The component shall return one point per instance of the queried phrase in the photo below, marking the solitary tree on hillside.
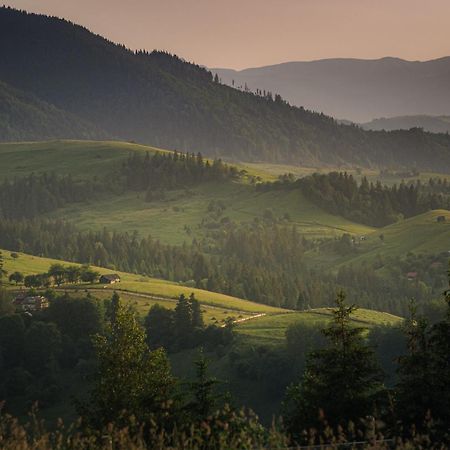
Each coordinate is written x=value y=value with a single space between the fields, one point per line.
x=202 y=389
x=342 y=381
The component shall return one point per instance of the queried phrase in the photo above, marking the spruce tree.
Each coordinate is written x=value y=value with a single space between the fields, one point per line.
x=440 y=371
x=342 y=381
x=196 y=313
x=414 y=393
x=202 y=390
x=183 y=322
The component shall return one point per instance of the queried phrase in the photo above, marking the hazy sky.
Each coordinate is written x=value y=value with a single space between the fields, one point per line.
x=248 y=33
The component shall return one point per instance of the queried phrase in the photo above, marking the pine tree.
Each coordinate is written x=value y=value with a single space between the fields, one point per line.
x=439 y=343
x=342 y=380
x=414 y=397
x=183 y=322
x=196 y=313
x=202 y=389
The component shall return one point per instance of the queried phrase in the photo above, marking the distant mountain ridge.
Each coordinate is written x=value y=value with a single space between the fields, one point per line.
x=434 y=124
x=159 y=99
x=355 y=89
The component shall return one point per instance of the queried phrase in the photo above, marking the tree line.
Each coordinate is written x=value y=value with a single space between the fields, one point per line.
x=172 y=171
x=260 y=261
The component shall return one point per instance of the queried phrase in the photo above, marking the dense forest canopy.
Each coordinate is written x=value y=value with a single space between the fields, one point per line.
x=160 y=99
x=23 y=117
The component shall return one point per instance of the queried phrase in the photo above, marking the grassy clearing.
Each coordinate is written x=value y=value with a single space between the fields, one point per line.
x=272 y=329
x=163 y=220
x=166 y=220
x=80 y=158
x=421 y=234
x=139 y=289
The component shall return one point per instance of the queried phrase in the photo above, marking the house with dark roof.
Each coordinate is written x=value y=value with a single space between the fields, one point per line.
x=110 y=278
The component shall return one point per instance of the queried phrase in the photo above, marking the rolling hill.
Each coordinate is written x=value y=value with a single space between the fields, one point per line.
x=255 y=322
x=165 y=220
x=144 y=292
x=161 y=100
x=24 y=117
x=355 y=89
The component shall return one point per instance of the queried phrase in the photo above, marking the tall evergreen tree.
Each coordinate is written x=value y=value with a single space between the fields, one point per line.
x=183 y=322
x=196 y=312
x=342 y=379
x=414 y=393
x=202 y=390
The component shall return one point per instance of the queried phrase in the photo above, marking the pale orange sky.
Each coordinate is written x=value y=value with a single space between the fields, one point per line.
x=249 y=33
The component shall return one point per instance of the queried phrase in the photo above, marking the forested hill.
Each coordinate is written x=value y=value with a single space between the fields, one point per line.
x=23 y=117
x=161 y=100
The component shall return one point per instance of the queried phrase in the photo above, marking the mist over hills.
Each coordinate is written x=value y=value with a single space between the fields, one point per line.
x=355 y=89
x=159 y=99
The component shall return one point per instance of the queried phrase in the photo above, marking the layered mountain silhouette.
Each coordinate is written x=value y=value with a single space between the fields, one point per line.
x=355 y=89
x=160 y=99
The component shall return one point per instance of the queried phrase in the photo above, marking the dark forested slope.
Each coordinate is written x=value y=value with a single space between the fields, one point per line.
x=23 y=117
x=160 y=99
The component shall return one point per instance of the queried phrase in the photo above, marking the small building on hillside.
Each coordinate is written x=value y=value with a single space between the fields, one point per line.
x=31 y=303
x=441 y=219
x=109 y=279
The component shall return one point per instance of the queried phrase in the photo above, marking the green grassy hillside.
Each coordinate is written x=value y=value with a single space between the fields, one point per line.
x=421 y=234
x=78 y=158
x=256 y=322
x=272 y=329
x=166 y=219
x=144 y=291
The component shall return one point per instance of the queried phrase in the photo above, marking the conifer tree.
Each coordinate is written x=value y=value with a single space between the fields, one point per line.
x=202 y=389
x=196 y=313
x=341 y=380
x=440 y=353
x=414 y=390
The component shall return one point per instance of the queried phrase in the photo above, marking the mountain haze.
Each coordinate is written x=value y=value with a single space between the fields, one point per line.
x=355 y=89
x=434 y=124
x=159 y=99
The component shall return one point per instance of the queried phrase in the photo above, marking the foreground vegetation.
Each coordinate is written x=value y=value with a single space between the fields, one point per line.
x=134 y=401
